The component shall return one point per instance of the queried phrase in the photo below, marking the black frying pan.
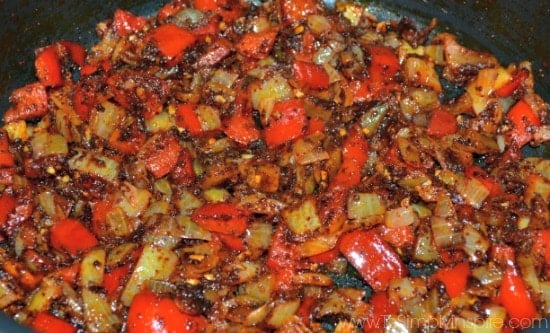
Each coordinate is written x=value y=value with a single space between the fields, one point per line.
x=513 y=30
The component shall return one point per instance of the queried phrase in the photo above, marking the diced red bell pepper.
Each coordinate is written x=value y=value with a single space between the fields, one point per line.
x=160 y=155
x=518 y=77
x=354 y=154
x=515 y=297
x=100 y=210
x=130 y=146
x=455 y=279
x=187 y=118
x=297 y=10
x=522 y=117
x=216 y=52
x=304 y=312
x=382 y=307
x=19 y=272
x=282 y=259
x=223 y=218
x=71 y=236
x=47 y=323
x=288 y=121
x=30 y=102
x=68 y=274
x=374 y=259
x=494 y=187
x=441 y=123
x=76 y=51
x=6 y=157
x=7 y=206
x=382 y=69
x=310 y=75
x=208 y=5
x=171 y=40
x=84 y=98
x=241 y=128
x=209 y=28
x=183 y=173
x=541 y=244
x=125 y=23
x=326 y=257
x=316 y=125
x=112 y=280
x=401 y=236
x=6 y=176
x=169 y=9
x=48 y=66
x=150 y=313
x=232 y=242
x=257 y=45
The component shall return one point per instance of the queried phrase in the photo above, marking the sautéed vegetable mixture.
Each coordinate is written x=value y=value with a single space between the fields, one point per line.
x=227 y=166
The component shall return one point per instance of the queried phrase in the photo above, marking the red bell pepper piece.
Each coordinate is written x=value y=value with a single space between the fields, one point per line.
x=112 y=280
x=150 y=313
x=130 y=146
x=71 y=236
x=232 y=242
x=169 y=9
x=311 y=75
x=223 y=218
x=304 y=312
x=282 y=259
x=172 y=40
x=257 y=45
x=326 y=257
x=374 y=259
x=397 y=236
x=441 y=123
x=518 y=77
x=48 y=66
x=454 y=278
x=354 y=155
x=183 y=173
x=47 y=323
x=208 y=5
x=68 y=274
x=522 y=117
x=297 y=10
x=209 y=28
x=7 y=206
x=30 y=101
x=216 y=52
x=541 y=244
x=100 y=210
x=187 y=118
x=125 y=23
x=382 y=307
x=241 y=128
x=494 y=187
x=76 y=51
x=6 y=157
x=161 y=155
x=515 y=297
x=383 y=68
x=316 y=125
x=288 y=121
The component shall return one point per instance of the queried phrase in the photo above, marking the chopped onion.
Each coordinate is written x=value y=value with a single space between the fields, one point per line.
x=303 y=219
x=399 y=217
x=472 y=190
x=92 y=268
x=154 y=263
